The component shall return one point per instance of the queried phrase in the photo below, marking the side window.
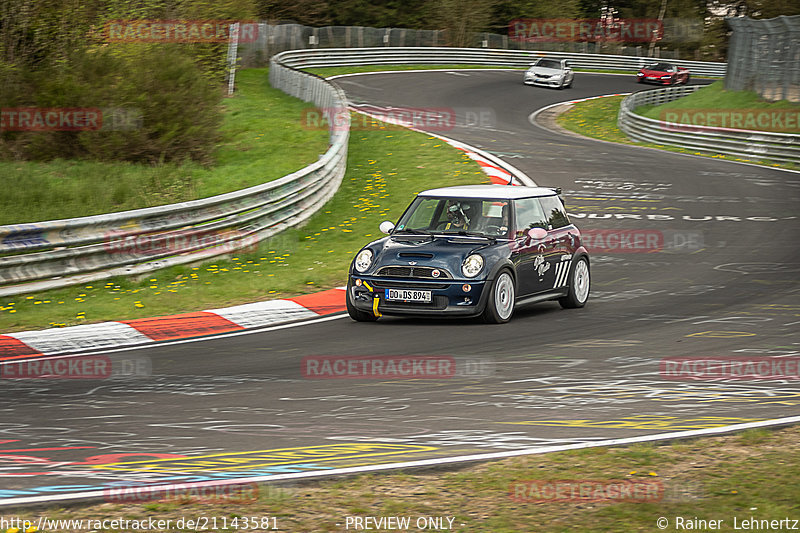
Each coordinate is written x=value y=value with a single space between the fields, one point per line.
x=528 y=214
x=554 y=211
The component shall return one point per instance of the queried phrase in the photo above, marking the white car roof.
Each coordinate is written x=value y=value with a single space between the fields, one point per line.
x=505 y=192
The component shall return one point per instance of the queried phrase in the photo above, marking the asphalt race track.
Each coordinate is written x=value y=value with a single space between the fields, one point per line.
x=723 y=282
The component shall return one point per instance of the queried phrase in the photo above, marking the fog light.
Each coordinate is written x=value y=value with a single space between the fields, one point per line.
x=466 y=288
x=358 y=283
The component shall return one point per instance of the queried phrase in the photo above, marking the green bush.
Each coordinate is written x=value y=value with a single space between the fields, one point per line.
x=176 y=109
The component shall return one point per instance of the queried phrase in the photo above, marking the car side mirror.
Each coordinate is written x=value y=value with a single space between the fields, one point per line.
x=537 y=234
x=386 y=227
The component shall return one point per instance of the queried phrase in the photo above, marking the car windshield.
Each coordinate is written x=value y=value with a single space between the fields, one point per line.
x=548 y=63
x=461 y=216
x=662 y=67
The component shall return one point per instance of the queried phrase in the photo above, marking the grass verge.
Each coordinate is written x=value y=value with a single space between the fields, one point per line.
x=259 y=122
x=386 y=166
x=598 y=119
x=752 y=475
x=715 y=98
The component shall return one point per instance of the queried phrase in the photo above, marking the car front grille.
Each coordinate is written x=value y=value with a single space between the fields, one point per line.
x=413 y=272
x=392 y=284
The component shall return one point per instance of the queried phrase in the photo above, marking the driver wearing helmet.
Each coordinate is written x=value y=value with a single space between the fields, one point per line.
x=456 y=216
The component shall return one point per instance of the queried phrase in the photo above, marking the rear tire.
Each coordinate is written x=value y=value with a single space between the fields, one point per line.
x=356 y=314
x=579 y=286
x=500 y=305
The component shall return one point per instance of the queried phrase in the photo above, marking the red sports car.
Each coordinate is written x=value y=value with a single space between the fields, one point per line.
x=663 y=74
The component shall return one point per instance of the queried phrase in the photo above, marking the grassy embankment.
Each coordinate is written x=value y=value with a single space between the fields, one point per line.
x=259 y=122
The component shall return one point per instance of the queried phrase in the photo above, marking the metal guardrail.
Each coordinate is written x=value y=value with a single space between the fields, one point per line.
x=339 y=57
x=784 y=147
x=58 y=253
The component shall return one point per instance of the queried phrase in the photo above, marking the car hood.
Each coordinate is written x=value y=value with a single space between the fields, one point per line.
x=545 y=71
x=648 y=72
x=447 y=253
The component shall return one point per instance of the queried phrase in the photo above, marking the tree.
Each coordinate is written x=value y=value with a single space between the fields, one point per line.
x=461 y=19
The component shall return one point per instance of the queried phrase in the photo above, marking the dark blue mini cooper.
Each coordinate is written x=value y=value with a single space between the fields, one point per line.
x=472 y=250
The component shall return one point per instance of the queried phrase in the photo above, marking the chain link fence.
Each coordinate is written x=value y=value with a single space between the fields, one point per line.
x=764 y=56
x=274 y=39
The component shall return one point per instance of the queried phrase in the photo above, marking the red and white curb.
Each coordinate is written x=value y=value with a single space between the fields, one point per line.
x=491 y=167
x=140 y=331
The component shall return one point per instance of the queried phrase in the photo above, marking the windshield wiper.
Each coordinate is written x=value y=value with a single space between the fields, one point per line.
x=466 y=233
x=412 y=231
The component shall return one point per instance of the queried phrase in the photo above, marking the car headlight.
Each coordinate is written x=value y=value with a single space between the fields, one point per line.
x=363 y=260
x=472 y=265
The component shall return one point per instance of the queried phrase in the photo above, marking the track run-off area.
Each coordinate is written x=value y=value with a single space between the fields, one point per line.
x=722 y=283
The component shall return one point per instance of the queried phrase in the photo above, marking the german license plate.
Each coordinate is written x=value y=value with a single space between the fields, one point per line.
x=408 y=295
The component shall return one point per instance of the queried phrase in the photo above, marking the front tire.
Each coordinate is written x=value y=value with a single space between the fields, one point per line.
x=357 y=315
x=500 y=305
x=579 y=286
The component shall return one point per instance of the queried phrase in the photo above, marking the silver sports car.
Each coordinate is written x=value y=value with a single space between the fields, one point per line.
x=550 y=72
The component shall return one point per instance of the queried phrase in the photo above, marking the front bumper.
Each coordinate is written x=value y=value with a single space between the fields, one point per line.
x=448 y=296
x=543 y=82
x=657 y=81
